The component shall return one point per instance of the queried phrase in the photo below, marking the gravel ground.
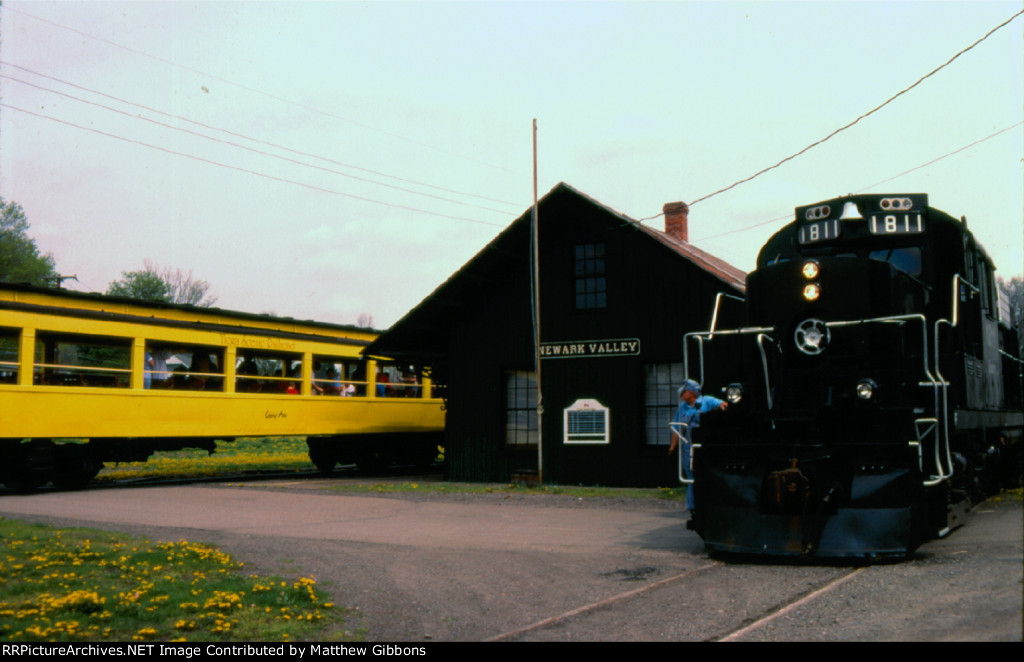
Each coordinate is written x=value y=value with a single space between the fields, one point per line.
x=541 y=567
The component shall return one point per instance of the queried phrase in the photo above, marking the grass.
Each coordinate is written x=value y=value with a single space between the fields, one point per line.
x=84 y=585
x=264 y=454
x=250 y=455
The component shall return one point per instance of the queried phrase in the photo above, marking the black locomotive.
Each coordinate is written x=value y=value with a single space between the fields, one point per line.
x=874 y=386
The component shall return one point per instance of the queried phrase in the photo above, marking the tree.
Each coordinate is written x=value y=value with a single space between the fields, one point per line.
x=1014 y=290
x=20 y=259
x=168 y=286
x=141 y=285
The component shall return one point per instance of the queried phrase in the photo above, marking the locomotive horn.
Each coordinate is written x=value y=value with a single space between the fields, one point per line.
x=851 y=213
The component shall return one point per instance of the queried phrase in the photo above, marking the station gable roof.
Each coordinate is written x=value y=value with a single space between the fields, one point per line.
x=422 y=333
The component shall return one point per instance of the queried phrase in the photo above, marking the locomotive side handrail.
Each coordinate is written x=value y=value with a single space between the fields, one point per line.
x=718 y=303
x=943 y=383
x=764 y=365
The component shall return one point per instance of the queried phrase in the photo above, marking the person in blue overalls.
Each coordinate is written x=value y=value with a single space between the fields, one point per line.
x=691 y=405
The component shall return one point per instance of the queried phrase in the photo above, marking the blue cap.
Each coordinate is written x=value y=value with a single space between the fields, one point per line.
x=689 y=385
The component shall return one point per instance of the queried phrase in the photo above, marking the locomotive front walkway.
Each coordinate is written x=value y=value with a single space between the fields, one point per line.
x=553 y=568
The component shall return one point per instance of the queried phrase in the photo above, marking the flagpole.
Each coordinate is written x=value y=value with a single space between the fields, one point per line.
x=535 y=278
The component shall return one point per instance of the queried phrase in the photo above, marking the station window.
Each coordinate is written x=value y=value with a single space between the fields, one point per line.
x=184 y=367
x=8 y=356
x=80 y=360
x=591 y=285
x=520 y=408
x=661 y=383
x=262 y=371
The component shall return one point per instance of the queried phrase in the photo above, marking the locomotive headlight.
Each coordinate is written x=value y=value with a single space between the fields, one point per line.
x=811 y=269
x=812 y=291
x=733 y=394
x=866 y=389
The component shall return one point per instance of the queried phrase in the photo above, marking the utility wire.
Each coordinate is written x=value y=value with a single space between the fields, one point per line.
x=250 y=172
x=262 y=93
x=245 y=137
x=867 y=188
x=249 y=149
x=847 y=126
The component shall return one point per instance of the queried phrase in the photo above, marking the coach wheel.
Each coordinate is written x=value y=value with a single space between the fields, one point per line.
x=20 y=477
x=322 y=457
x=75 y=475
x=425 y=457
x=72 y=467
x=372 y=460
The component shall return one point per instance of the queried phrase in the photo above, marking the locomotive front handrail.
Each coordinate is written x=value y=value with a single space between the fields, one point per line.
x=675 y=427
x=701 y=336
x=938 y=385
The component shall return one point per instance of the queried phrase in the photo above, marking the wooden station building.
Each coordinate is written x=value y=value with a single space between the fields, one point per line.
x=616 y=298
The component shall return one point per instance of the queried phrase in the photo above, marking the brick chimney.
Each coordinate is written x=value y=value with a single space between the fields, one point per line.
x=676 y=218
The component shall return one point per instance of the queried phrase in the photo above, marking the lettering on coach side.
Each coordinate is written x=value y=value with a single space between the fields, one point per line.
x=590 y=348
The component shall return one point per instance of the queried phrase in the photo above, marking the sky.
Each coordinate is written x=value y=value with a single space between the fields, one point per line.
x=323 y=160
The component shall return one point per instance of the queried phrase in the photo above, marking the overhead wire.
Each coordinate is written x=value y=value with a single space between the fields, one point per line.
x=871 y=186
x=246 y=137
x=225 y=142
x=263 y=93
x=850 y=124
x=248 y=171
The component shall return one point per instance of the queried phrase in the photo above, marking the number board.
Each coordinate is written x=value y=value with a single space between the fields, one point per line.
x=908 y=223
x=819 y=231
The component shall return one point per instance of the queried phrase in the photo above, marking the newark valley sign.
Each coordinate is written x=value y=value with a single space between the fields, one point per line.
x=578 y=349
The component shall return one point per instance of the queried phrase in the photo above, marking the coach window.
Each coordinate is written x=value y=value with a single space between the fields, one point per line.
x=333 y=375
x=396 y=381
x=8 y=356
x=79 y=360
x=261 y=371
x=184 y=367
x=661 y=383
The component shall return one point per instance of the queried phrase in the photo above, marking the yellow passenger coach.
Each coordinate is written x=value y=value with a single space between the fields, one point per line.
x=87 y=379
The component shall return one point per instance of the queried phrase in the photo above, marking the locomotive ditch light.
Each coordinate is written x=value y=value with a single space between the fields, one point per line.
x=733 y=394
x=812 y=291
x=811 y=269
x=866 y=389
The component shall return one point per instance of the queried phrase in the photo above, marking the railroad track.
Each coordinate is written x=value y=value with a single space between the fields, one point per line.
x=678 y=582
